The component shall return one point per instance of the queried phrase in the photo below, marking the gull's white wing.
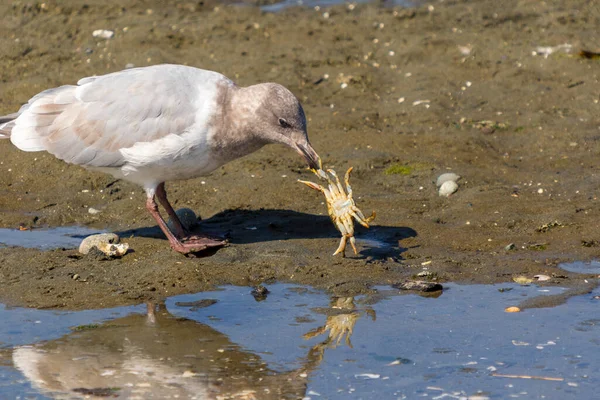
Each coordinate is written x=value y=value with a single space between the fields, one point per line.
x=89 y=124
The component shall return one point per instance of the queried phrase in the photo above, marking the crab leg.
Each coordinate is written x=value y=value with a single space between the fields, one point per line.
x=313 y=186
x=359 y=217
x=349 y=228
x=337 y=182
x=347 y=182
x=353 y=244
x=342 y=246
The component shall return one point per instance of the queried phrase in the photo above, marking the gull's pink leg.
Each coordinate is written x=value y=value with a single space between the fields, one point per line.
x=161 y=195
x=191 y=246
x=182 y=234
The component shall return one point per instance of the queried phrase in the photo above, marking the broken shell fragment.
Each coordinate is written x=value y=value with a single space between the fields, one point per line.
x=114 y=250
x=107 y=243
x=103 y=34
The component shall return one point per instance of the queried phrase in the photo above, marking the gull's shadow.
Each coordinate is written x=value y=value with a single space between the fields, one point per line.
x=265 y=225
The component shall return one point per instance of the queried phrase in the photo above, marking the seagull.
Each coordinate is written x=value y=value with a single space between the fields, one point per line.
x=160 y=123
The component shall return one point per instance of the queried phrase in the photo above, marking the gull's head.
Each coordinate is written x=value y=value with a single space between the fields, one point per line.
x=280 y=119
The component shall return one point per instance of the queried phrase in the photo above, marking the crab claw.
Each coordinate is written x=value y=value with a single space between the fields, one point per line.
x=372 y=217
x=320 y=173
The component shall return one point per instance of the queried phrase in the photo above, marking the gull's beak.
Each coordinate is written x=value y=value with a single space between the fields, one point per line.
x=311 y=156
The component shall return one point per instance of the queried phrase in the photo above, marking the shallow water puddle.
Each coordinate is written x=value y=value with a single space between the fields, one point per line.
x=581 y=267
x=46 y=238
x=299 y=343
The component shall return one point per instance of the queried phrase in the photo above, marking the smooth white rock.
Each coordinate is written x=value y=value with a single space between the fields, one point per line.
x=448 y=176
x=448 y=188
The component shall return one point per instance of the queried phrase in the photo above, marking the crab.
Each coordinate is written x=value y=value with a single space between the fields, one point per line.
x=340 y=206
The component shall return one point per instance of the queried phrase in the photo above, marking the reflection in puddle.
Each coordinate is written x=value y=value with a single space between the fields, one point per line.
x=592 y=267
x=157 y=356
x=298 y=343
x=45 y=238
x=282 y=5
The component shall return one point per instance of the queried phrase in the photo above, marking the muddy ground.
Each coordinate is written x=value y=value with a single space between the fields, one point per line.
x=530 y=174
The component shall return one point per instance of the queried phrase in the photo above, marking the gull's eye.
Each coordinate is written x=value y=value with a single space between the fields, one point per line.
x=284 y=124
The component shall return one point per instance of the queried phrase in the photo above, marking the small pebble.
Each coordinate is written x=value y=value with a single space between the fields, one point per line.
x=512 y=309
x=448 y=188
x=419 y=286
x=187 y=217
x=260 y=293
x=449 y=176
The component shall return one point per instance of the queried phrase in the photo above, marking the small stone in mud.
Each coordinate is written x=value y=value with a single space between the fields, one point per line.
x=448 y=188
x=95 y=254
x=260 y=293
x=188 y=219
x=419 y=286
x=196 y=305
x=447 y=177
x=98 y=392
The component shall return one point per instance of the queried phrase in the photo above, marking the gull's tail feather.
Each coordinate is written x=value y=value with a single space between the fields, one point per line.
x=6 y=125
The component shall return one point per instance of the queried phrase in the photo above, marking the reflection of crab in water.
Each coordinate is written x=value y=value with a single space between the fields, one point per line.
x=342 y=316
x=341 y=206
x=339 y=326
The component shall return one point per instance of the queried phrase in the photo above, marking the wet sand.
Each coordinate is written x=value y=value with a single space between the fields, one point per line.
x=426 y=91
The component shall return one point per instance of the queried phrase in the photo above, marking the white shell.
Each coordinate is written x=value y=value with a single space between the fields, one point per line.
x=449 y=176
x=448 y=188
x=103 y=34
